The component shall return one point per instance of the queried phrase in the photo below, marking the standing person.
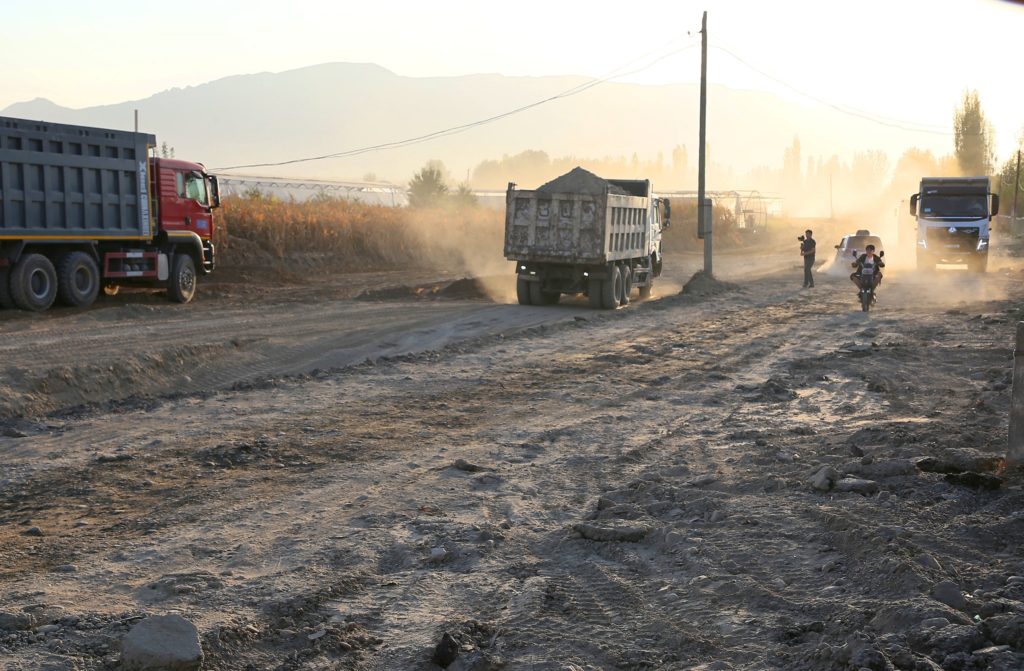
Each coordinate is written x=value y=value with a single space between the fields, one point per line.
x=807 y=245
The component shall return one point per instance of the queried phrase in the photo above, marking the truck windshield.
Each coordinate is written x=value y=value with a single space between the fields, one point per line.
x=195 y=188
x=971 y=206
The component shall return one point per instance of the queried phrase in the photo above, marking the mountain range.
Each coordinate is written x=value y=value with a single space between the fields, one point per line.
x=335 y=107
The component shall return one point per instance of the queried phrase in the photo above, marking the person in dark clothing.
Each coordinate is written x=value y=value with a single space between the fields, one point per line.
x=867 y=265
x=807 y=245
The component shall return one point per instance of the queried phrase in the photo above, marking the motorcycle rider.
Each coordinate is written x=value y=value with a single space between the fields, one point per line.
x=868 y=265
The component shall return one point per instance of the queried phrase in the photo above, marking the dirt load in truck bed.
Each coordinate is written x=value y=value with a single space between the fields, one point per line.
x=582 y=181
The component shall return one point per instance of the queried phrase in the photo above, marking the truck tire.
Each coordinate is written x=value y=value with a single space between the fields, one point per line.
x=6 y=301
x=627 y=284
x=978 y=265
x=540 y=297
x=925 y=263
x=611 y=288
x=78 y=280
x=34 y=283
x=645 y=292
x=181 y=286
x=523 y=291
x=594 y=290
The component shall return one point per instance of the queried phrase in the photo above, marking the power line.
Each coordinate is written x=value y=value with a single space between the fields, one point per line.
x=875 y=118
x=614 y=74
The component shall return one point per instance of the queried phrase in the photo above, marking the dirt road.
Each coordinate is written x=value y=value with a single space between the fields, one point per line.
x=721 y=481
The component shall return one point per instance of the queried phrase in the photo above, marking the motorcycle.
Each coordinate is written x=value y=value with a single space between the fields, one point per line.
x=866 y=292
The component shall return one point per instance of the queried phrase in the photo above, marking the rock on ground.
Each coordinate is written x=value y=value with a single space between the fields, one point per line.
x=164 y=642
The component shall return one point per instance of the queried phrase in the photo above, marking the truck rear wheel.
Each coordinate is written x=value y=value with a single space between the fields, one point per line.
x=181 y=286
x=523 y=290
x=6 y=301
x=34 y=283
x=627 y=284
x=540 y=297
x=78 y=279
x=611 y=288
x=594 y=291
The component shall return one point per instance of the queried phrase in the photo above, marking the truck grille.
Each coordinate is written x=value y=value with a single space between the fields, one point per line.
x=958 y=239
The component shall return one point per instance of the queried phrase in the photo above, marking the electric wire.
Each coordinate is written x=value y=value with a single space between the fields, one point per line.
x=851 y=111
x=580 y=88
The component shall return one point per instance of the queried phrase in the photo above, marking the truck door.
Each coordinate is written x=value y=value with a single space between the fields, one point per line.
x=197 y=204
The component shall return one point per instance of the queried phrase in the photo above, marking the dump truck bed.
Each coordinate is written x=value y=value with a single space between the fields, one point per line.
x=59 y=181
x=574 y=228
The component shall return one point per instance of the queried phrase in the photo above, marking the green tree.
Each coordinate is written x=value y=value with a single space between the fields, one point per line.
x=1009 y=181
x=464 y=196
x=427 y=187
x=973 y=137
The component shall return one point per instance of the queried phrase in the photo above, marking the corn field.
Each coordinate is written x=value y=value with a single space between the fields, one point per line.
x=343 y=235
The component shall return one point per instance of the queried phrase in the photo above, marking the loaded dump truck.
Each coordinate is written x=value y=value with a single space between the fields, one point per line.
x=581 y=234
x=953 y=216
x=84 y=209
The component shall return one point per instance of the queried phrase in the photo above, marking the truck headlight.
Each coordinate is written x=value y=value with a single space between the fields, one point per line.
x=923 y=244
x=982 y=244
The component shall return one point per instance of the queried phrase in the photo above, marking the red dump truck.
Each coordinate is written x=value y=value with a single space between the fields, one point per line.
x=87 y=209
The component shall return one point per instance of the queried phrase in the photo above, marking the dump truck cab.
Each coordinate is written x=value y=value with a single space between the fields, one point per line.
x=953 y=221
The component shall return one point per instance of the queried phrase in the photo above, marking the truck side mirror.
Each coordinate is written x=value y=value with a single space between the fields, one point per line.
x=913 y=204
x=668 y=214
x=995 y=205
x=214 y=191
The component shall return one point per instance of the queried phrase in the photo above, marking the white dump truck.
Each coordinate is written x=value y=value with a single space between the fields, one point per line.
x=581 y=234
x=953 y=215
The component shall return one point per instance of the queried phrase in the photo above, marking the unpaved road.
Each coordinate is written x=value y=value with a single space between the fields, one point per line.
x=554 y=488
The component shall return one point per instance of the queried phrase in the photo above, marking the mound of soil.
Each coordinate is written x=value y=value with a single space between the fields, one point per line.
x=579 y=180
x=705 y=285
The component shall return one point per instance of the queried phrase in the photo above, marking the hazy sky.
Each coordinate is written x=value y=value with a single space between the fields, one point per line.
x=904 y=61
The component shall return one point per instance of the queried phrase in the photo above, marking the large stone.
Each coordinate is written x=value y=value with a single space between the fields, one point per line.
x=857 y=486
x=164 y=642
x=823 y=478
x=15 y=621
x=949 y=593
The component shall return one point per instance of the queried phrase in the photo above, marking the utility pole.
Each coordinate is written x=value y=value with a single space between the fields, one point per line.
x=1016 y=188
x=702 y=223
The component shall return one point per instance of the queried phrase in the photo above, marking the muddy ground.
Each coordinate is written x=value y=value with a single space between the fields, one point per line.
x=335 y=475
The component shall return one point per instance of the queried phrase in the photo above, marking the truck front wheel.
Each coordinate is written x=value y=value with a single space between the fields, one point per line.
x=978 y=265
x=181 y=286
x=78 y=279
x=34 y=283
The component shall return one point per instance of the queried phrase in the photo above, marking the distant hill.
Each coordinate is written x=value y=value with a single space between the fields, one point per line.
x=323 y=109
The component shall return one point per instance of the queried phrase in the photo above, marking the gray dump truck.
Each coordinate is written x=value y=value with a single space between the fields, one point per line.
x=953 y=215
x=581 y=234
x=87 y=209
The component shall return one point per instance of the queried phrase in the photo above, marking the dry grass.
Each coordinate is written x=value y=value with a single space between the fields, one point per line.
x=343 y=235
